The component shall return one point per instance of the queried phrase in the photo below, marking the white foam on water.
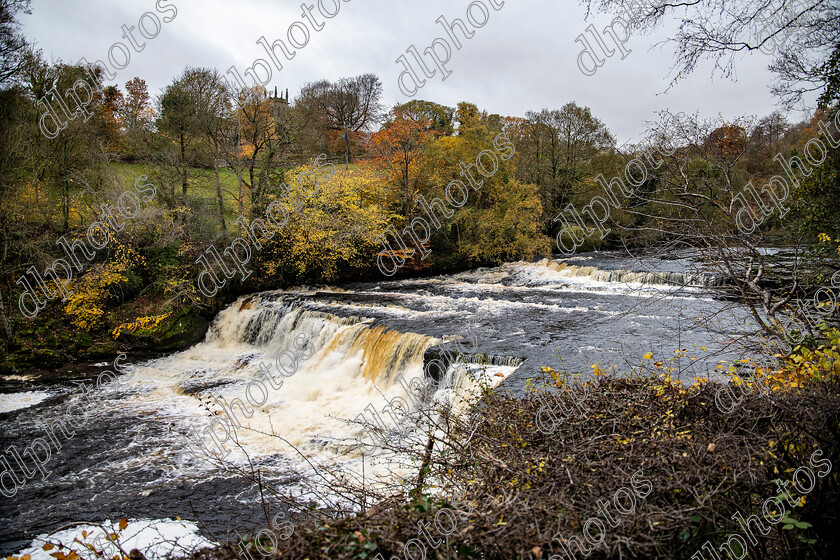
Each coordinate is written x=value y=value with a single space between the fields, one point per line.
x=157 y=539
x=547 y=272
x=353 y=364
x=18 y=401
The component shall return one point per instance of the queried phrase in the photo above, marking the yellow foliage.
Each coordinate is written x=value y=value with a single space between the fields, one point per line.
x=337 y=225
x=141 y=323
x=85 y=306
x=804 y=366
x=506 y=228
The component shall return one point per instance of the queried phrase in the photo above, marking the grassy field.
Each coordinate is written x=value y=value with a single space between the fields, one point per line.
x=202 y=184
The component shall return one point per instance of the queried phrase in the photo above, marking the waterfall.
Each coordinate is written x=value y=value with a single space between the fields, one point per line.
x=625 y=276
x=270 y=366
x=270 y=325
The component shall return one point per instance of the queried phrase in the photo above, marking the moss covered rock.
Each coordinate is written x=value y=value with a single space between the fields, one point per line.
x=181 y=330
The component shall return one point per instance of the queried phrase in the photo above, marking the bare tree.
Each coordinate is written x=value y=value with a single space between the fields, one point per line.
x=12 y=43
x=265 y=129
x=697 y=198
x=349 y=105
x=801 y=34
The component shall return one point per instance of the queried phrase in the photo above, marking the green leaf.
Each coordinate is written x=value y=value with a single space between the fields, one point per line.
x=787 y=527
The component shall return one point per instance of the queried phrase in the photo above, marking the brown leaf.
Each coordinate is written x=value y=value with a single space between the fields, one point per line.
x=48 y=546
x=123 y=524
x=537 y=551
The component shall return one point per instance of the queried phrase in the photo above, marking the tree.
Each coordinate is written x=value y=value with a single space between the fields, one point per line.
x=138 y=117
x=15 y=119
x=472 y=123
x=557 y=148
x=801 y=34
x=814 y=200
x=770 y=131
x=63 y=162
x=507 y=229
x=699 y=199
x=178 y=121
x=829 y=72
x=331 y=231
x=398 y=147
x=214 y=119
x=437 y=117
x=114 y=106
x=349 y=105
x=12 y=43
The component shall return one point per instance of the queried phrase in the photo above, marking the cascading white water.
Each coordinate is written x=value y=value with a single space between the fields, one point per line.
x=595 y=274
x=336 y=369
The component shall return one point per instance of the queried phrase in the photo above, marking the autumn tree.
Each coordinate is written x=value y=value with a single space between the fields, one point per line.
x=498 y=221
x=727 y=142
x=331 y=234
x=398 y=148
x=556 y=150
x=434 y=116
x=138 y=117
x=471 y=122
x=112 y=114
x=348 y=106
x=265 y=132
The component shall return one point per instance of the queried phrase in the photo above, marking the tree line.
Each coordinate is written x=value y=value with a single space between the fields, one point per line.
x=220 y=155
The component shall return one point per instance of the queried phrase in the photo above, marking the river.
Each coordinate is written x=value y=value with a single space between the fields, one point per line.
x=129 y=456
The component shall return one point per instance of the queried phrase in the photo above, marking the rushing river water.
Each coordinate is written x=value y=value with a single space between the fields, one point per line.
x=131 y=454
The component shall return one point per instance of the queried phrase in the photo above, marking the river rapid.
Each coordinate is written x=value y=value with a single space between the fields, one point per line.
x=136 y=451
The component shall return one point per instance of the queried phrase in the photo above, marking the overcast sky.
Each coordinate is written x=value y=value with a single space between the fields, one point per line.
x=523 y=58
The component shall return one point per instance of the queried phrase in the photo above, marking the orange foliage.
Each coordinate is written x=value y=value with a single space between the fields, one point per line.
x=398 y=150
